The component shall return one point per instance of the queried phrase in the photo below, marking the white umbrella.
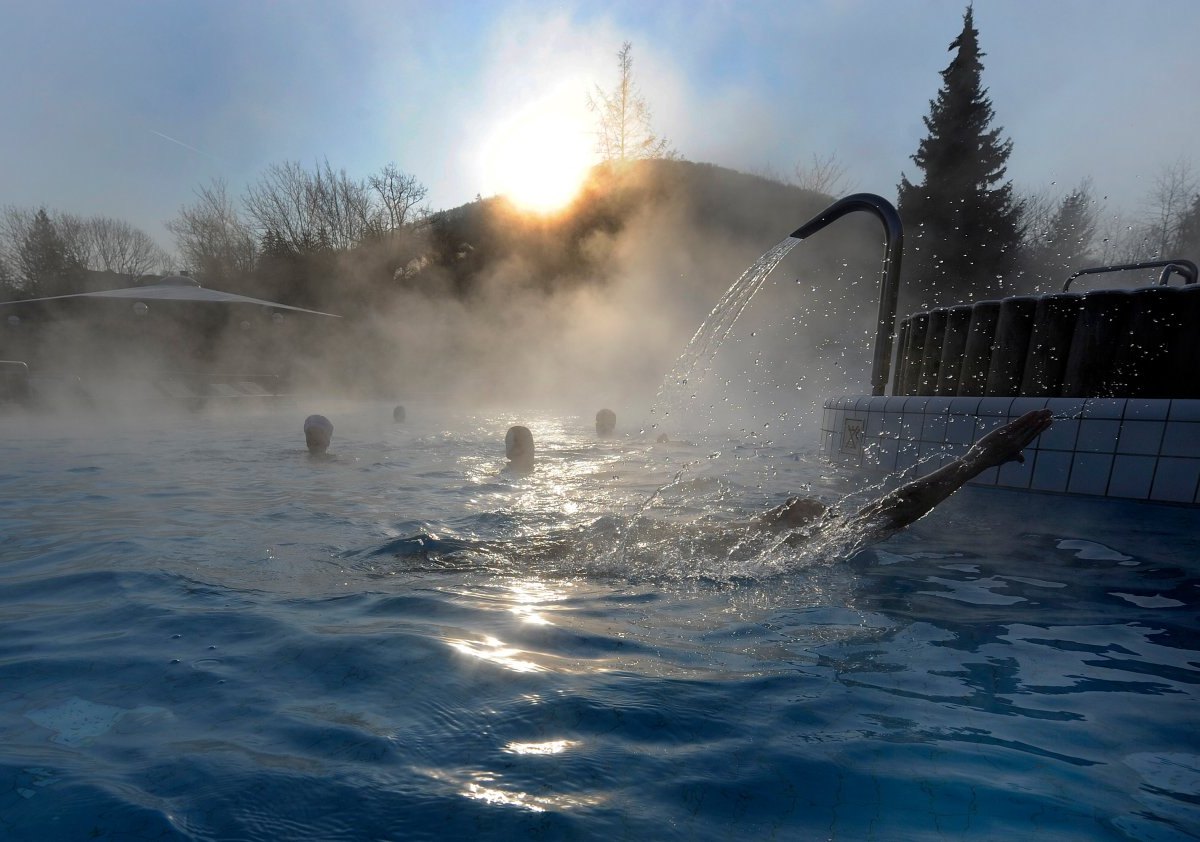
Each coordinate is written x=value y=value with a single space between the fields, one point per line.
x=176 y=288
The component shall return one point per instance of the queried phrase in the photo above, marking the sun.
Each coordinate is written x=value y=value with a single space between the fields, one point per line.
x=539 y=158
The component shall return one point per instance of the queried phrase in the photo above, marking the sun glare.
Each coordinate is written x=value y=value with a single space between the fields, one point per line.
x=539 y=158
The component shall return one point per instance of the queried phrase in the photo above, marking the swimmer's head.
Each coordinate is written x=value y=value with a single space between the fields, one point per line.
x=318 y=431
x=398 y=414
x=606 y=422
x=795 y=513
x=801 y=511
x=518 y=447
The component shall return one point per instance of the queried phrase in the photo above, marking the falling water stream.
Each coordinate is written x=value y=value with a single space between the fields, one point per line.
x=681 y=381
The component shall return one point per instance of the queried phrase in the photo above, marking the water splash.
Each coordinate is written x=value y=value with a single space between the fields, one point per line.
x=627 y=529
x=707 y=340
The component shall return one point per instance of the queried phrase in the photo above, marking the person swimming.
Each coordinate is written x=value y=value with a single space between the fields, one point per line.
x=606 y=423
x=318 y=432
x=801 y=521
x=907 y=504
x=518 y=447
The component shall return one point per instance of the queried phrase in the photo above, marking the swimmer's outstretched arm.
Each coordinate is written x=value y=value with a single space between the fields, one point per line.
x=914 y=500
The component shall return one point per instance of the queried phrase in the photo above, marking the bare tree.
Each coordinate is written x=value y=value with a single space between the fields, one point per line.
x=73 y=230
x=281 y=202
x=1038 y=208
x=623 y=131
x=342 y=206
x=312 y=210
x=122 y=248
x=1167 y=204
x=824 y=175
x=398 y=195
x=8 y=282
x=212 y=238
x=14 y=225
x=1121 y=241
x=1162 y=229
x=110 y=245
x=1188 y=244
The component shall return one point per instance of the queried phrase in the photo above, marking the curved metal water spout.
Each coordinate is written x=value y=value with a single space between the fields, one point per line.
x=889 y=285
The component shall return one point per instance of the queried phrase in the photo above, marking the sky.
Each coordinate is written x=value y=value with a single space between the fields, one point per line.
x=125 y=108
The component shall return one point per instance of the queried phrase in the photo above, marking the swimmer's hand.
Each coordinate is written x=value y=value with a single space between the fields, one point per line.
x=1004 y=444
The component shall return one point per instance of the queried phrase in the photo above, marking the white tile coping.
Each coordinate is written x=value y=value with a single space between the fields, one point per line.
x=1138 y=449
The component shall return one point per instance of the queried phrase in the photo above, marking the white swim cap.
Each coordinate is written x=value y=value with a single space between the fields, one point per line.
x=518 y=442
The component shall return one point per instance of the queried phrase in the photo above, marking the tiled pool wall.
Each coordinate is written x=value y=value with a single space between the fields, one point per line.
x=1112 y=447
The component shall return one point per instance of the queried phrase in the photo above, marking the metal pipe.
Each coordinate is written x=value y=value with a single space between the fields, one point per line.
x=889 y=286
x=1174 y=268
x=1186 y=268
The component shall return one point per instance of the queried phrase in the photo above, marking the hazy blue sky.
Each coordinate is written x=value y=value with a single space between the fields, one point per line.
x=122 y=108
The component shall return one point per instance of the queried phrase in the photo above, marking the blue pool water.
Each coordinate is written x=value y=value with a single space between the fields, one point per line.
x=206 y=635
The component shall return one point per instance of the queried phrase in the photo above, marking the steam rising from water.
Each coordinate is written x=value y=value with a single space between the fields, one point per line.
x=523 y=344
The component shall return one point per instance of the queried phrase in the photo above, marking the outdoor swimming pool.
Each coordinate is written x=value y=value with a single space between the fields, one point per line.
x=207 y=635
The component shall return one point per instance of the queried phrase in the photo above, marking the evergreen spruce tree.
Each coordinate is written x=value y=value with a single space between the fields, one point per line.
x=962 y=222
x=1064 y=246
x=44 y=260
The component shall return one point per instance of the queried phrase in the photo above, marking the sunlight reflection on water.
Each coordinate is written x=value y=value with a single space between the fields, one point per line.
x=405 y=641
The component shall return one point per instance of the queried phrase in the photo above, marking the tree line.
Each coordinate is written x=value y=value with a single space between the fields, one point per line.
x=44 y=254
x=311 y=236
x=315 y=236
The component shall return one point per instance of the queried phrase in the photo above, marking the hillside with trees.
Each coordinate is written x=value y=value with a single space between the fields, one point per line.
x=648 y=233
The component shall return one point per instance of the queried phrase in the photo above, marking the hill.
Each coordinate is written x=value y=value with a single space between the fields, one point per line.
x=601 y=298
x=678 y=198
